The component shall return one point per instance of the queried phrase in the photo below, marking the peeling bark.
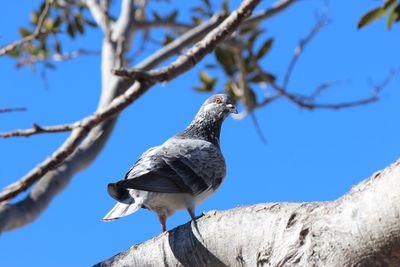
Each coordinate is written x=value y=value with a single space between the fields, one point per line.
x=362 y=228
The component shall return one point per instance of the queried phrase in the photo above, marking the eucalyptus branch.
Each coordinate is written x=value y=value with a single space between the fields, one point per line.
x=36 y=34
x=98 y=14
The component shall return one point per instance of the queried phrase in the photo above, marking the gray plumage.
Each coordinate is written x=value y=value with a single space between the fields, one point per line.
x=180 y=173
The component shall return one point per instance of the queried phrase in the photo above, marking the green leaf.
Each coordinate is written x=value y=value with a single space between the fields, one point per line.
x=210 y=66
x=199 y=10
x=57 y=47
x=168 y=39
x=208 y=83
x=264 y=77
x=225 y=6
x=156 y=16
x=207 y=3
x=34 y=17
x=247 y=29
x=49 y=24
x=24 y=32
x=370 y=16
x=394 y=16
x=265 y=48
x=388 y=4
x=225 y=57
x=90 y=23
x=253 y=37
x=50 y=65
x=14 y=53
x=196 y=20
x=228 y=88
x=57 y=22
x=79 y=23
x=71 y=31
x=172 y=16
x=204 y=77
x=251 y=99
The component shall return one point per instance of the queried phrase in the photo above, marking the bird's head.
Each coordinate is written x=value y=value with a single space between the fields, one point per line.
x=207 y=122
x=218 y=106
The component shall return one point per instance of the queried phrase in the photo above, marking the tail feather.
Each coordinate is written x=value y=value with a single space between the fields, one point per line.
x=121 y=210
x=117 y=192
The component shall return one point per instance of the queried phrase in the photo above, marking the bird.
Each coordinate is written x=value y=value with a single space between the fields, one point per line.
x=180 y=173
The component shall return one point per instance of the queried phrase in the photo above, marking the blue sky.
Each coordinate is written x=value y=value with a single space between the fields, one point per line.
x=310 y=156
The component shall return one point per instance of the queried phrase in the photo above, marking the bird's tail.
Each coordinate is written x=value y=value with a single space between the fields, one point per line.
x=122 y=209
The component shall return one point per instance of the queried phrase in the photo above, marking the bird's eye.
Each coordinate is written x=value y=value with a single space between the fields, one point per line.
x=218 y=100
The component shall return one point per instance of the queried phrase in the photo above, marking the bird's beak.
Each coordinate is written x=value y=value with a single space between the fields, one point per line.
x=232 y=108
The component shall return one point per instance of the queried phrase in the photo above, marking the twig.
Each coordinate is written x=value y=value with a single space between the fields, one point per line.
x=37 y=129
x=308 y=103
x=258 y=128
x=300 y=48
x=323 y=87
x=181 y=65
x=178 y=26
x=5 y=110
x=38 y=31
x=278 y=7
x=57 y=57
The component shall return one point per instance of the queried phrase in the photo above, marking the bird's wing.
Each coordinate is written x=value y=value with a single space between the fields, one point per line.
x=178 y=166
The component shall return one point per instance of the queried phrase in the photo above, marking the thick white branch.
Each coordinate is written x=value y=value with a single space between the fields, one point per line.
x=97 y=13
x=360 y=229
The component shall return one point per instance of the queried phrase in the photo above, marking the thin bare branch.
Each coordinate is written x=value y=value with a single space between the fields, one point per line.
x=178 y=26
x=190 y=37
x=37 y=129
x=308 y=102
x=300 y=48
x=56 y=57
x=181 y=65
x=323 y=87
x=5 y=110
x=258 y=128
x=37 y=33
x=278 y=7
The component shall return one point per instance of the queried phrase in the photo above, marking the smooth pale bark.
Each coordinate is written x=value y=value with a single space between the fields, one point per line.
x=362 y=228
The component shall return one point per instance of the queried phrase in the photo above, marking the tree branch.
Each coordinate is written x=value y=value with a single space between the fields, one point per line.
x=300 y=48
x=362 y=228
x=56 y=57
x=97 y=14
x=181 y=65
x=122 y=27
x=278 y=7
x=38 y=31
x=5 y=110
x=198 y=51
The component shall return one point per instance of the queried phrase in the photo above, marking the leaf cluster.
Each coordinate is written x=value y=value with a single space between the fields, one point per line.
x=390 y=9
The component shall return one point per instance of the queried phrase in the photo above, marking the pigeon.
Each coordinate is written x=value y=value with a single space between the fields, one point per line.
x=180 y=173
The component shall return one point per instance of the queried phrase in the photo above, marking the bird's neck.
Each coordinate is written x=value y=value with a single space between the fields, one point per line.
x=205 y=128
